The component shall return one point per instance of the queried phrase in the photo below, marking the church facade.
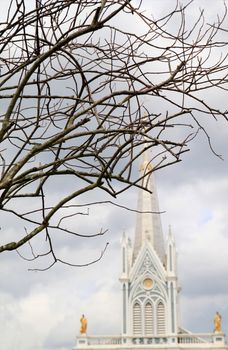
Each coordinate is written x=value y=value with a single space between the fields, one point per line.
x=150 y=290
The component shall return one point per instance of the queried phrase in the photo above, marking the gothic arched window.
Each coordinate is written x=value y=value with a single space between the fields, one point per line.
x=161 y=328
x=137 y=319
x=149 y=319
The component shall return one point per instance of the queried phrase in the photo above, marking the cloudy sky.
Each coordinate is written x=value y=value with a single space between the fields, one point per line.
x=41 y=310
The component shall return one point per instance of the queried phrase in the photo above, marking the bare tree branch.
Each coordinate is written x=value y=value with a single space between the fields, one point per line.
x=83 y=96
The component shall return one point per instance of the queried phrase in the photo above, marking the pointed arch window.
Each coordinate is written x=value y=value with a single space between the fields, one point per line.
x=149 y=319
x=137 y=319
x=161 y=328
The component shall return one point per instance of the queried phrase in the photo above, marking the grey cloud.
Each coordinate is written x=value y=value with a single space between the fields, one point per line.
x=185 y=190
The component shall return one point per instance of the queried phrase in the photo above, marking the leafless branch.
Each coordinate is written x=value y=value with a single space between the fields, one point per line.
x=83 y=96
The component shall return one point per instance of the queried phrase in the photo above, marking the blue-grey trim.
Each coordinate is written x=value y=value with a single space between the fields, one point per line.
x=170 y=258
x=172 y=308
x=124 y=310
x=124 y=262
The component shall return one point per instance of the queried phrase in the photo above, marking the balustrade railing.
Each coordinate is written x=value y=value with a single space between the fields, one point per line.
x=183 y=338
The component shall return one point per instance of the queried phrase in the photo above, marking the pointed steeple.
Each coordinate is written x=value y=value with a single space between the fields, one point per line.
x=148 y=224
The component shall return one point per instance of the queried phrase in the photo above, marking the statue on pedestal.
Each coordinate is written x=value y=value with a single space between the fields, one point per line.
x=83 y=321
x=217 y=323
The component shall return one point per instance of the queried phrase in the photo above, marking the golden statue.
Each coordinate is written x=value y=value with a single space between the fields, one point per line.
x=217 y=322
x=83 y=321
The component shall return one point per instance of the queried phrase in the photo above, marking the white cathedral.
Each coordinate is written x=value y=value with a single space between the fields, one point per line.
x=150 y=289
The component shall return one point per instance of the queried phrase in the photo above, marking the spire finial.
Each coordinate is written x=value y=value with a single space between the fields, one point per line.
x=146 y=164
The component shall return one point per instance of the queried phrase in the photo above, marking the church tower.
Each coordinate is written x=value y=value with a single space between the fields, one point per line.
x=149 y=276
x=150 y=288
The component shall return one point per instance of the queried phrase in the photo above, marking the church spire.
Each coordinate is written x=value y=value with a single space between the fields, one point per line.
x=148 y=224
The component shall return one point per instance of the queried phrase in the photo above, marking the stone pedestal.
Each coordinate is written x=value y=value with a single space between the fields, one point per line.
x=219 y=338
x=81 y=341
